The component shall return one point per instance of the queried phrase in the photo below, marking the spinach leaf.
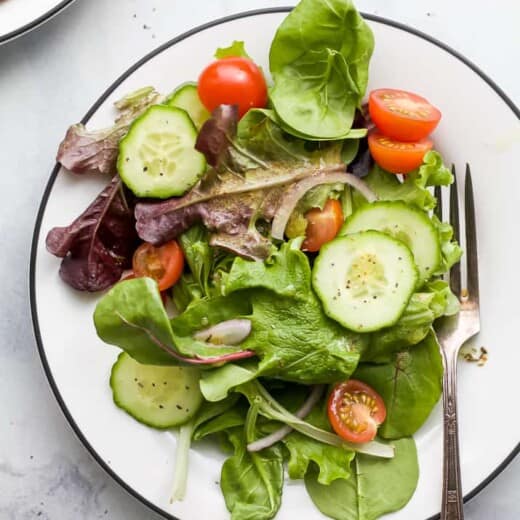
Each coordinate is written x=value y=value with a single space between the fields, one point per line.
x=376 y=486
x=300 y=143
x=410 y=386
x=433 y=301
x=132 y=316
x=260 y=131
x=319 y=62
x=227 y=420
x=209 y=411
x=349 y=150
x=215 y=384
x=252 y=482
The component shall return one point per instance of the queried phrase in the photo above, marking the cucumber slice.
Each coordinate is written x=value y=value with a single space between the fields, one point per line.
x=157 y=157
x=187 y=97
x=157 y=396
x=409 y=225
x=364 y=280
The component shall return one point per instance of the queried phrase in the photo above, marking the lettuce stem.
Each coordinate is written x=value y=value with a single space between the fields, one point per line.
x=180 y=475
x=271 y=409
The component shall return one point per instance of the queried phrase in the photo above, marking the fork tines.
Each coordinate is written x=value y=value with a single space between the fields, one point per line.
x=471 y=239
x=472 y=290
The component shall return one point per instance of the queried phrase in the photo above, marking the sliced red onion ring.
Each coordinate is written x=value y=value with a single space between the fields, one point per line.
x=279 y=434
x=296 y=191
x=231 y=332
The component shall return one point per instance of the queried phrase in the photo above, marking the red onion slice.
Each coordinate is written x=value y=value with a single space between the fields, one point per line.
x=296 y=191
x=279 y=434
x=231 y=332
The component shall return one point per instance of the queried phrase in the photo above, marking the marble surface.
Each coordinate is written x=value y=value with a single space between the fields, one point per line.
x=48 y=79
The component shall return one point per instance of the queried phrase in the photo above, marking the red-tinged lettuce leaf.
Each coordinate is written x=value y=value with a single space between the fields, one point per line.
x=84 y=151
x=217 y=133
x=229 y=205
x=98 y=245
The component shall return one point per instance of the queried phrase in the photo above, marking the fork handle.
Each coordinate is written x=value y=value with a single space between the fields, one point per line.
x=451 y=489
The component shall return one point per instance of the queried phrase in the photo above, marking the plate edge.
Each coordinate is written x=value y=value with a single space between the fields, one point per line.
x=41 y=210
x=34 y=24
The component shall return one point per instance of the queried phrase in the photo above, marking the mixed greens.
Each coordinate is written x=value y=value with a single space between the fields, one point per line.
x=284 y=285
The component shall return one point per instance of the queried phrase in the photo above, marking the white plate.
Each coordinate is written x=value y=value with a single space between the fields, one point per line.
x=480 y=126
x=18 y=17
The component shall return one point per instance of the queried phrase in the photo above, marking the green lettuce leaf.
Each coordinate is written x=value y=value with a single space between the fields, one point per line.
x=198 y=255
x=236 y=49
x=316 y=197
x=415 y=190
x=329 y=463
x=185 y=291
x=332 y=462
x=410 y=386
x=375 y=488
x=451 y=251
x=293 y=337
x=433 y=301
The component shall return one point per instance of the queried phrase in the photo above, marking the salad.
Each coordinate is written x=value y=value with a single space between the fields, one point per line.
x=272 y=266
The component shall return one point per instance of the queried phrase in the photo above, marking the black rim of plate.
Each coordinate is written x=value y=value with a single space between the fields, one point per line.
x=56 y=169
x=4 y=38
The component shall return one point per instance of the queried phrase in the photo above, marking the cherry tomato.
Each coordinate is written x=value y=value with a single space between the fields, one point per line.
x=322 y=225
x=232 y=81
x=355 y=411
x=402 y=115
x=397 y=156
x=164 y=264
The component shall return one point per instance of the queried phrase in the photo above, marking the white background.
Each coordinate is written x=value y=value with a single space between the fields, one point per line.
x=49 y=79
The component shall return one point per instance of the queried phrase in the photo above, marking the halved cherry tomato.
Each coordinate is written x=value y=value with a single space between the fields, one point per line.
x=355 y=411
x=164 y=264
x=232 y=81
x=322 y=225
x=402 y=115
x=397 y=156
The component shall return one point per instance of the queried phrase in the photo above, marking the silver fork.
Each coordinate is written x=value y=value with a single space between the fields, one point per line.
x=452 y=333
